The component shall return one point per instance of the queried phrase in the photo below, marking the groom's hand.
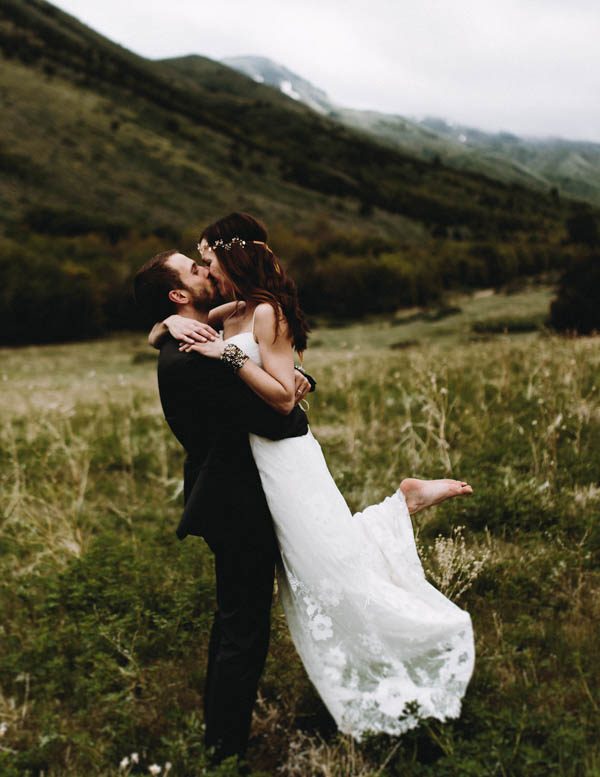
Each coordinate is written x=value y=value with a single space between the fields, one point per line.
x=188 y=330
x=302 y=386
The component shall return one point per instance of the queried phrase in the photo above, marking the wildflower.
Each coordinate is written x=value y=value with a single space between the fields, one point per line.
x=124 y=763
x=155 y=769
x=168 y=767
x=453 y=566
x=3 y=729
x=135 y=759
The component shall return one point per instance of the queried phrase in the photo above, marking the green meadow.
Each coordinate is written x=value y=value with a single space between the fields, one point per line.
x=105 y=614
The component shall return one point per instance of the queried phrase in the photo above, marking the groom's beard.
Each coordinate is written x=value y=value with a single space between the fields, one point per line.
x=205 y=300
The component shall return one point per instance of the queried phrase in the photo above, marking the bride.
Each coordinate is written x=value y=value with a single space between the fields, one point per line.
x=382 y=646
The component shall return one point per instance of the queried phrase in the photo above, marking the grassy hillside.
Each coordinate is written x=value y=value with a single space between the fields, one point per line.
x=106 y=615
x=108 y=158
x=425 y=142
x=573 y=167
x=260 y=127
x=570 y=167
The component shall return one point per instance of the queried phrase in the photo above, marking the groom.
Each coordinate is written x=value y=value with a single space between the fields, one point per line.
x=210 y=412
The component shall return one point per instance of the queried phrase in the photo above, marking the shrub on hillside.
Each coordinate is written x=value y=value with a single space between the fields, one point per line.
x=582 y=228
x=577 y=306
x=44 y=302
x=352 y=287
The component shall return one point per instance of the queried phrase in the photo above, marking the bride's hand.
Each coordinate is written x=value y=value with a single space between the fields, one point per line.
x=213 y=349
x=188 y=330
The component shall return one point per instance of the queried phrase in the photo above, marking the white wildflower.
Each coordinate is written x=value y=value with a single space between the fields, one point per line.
x=168 y=767
x=124 y=763
x=155 y=769
x=3 y=729
x=453 y=566
x=135 y=759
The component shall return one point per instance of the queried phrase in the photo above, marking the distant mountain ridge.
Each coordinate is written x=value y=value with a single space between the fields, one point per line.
x=134 y=141
x=108 y=158
x=573 y=167
x=265 y=71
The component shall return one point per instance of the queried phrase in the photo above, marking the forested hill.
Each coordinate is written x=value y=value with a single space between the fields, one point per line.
x=224 y=120
x=572 y=167
x=107 y=157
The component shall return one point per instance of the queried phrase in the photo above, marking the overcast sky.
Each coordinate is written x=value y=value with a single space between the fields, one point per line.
x=528 y=66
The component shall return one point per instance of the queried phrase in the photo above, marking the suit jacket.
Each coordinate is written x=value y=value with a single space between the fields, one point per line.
x=211 y=411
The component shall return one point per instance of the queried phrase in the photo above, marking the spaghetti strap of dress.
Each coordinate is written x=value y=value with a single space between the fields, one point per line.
x=252 y=329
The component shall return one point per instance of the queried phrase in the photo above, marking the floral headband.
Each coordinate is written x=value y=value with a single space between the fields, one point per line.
x=239 y=241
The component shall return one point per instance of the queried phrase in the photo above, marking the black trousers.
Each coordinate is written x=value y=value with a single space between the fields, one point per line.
x=239 y=642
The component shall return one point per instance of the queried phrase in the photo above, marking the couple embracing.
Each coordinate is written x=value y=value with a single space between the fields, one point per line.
x=376 y=639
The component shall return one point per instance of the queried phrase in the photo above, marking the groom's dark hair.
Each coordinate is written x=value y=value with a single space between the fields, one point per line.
x=152 y=284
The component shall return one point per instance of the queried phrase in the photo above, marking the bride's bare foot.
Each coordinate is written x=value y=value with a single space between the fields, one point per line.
x=420 y=494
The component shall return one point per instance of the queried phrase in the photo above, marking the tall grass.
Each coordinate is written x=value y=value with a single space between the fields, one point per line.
x=105 y=616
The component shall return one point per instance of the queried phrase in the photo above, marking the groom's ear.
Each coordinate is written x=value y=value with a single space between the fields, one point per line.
x=179 y=296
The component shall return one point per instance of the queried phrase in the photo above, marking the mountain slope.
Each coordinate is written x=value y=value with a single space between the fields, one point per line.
x=108 y=158
x=265 y=71
x=196 y=122
x=572 y=166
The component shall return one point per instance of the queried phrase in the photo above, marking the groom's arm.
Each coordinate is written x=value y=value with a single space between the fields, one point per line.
x=211 y=387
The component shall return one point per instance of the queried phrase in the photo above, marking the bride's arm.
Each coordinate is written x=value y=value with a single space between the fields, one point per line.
x=188 y=330
x=217 y=316
x=275 y=382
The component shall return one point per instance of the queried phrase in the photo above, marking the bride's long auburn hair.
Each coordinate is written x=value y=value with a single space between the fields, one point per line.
x=255 y=273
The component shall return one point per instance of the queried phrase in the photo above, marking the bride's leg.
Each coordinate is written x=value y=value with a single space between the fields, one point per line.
x=420 y=494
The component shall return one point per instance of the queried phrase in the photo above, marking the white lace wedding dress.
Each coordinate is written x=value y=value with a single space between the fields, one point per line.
x=381 y=645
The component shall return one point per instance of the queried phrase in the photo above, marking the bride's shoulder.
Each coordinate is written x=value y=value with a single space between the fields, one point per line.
x=269 y=322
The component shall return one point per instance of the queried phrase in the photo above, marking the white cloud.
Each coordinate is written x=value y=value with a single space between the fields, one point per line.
x=529 y=66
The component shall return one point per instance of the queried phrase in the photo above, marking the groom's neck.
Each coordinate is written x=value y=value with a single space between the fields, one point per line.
x=189 y=311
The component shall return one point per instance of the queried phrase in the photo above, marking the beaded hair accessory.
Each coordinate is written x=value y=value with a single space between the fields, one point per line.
x=227 y=246
x=239 y=241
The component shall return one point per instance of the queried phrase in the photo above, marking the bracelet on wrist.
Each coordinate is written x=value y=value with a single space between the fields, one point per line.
x=234 y=356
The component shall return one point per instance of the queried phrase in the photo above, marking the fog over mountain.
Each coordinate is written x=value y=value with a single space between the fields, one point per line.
x=109 y=157
x=571 y=166
x=524 y=66
x=265 y=71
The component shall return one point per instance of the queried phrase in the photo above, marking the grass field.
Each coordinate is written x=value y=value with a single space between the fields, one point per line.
x=105 y=614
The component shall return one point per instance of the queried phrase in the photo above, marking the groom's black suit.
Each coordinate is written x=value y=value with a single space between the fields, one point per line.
x=211 y=411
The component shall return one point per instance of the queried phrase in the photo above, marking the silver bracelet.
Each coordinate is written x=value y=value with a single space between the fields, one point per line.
x=234 y=357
